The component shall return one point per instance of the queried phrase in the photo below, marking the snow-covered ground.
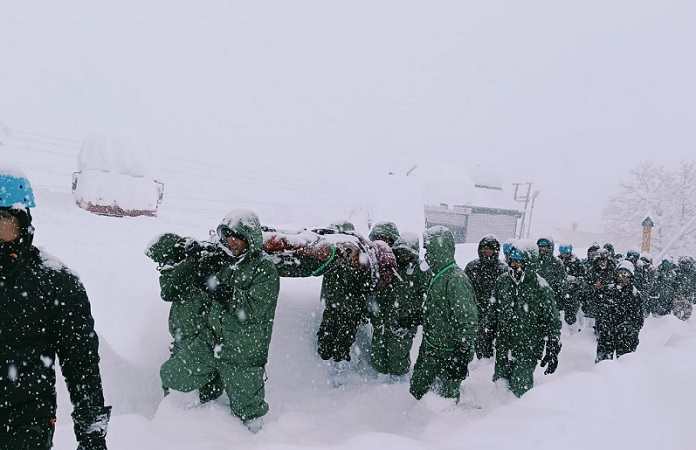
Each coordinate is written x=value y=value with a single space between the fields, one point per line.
x=642 y=401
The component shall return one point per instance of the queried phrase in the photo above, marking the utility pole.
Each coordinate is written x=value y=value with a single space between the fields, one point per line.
x=522 y=198
x=531 y=211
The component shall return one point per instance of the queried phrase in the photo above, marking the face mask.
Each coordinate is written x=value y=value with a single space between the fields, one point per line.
x=10 y=256
x=517 y=272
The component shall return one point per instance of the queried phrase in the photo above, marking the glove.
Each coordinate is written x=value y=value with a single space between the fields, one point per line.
x=457 y=364
x=553 y=348
x=189 y=246
x=206 y=274
x=398 y=331
x=90 y=424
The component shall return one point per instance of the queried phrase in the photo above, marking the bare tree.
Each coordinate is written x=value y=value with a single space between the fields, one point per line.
x=646 y=193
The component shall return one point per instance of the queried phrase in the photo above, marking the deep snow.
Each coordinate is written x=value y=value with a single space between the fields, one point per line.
x=642 y=401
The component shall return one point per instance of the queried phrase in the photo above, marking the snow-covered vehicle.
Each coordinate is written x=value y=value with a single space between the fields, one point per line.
x=115 y=178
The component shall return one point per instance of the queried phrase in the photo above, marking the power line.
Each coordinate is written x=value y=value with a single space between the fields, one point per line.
x=45 y=135
x=36 y=150
x=250 y=172
x=270 y=184
x=43 y=142
x=236 y=201
x=273 y=181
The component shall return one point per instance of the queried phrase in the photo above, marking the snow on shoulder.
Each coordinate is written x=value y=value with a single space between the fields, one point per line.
x=53 y=263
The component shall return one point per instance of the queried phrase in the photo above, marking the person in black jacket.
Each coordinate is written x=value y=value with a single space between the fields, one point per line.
x=600 y=275
x=619 y=315
x=684 y=288
x=483 y=272
x=45 y=313
x=575 y=277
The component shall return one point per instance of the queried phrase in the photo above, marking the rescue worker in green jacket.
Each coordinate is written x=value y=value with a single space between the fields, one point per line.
x=398 y=309
x=450 y=321
x=343 y=291
x=190 y=306
x=243 y=285
x=524 y=318
x=551 y=269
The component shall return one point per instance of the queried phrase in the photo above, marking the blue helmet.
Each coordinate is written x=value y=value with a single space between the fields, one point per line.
x=516 y=254
x=16 y=197
x=565 y=249
x=15 y=189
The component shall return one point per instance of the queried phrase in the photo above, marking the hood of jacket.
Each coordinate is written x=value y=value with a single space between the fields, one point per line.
x=246 y=224
x=553 y=246
x=384 y=231
x=407 y=245
x=439 y=247
x=531 y=258
x=491 y=241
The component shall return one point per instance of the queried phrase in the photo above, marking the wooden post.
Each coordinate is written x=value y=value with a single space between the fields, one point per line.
x=647 y=234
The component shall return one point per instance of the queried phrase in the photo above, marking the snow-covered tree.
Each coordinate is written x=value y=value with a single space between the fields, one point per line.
x=668 y=198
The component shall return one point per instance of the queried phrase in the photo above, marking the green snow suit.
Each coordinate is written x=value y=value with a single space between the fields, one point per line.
x=552 y=270
x=244 y=291
x=524 y=318
x=188 y=314
x=399 y=309
x=450 y=321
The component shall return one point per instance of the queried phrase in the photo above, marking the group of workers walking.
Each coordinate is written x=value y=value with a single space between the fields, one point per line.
x=224 y=293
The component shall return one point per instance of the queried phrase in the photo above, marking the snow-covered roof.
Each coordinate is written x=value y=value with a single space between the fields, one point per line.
x=454 y=184
x=118 y=154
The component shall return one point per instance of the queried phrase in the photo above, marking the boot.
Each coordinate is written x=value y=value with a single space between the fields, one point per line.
x=254 y=425
x=339 y=372
x=211 y=390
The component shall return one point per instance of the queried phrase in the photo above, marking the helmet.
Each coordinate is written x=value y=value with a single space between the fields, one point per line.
x=543 y=242
x=627 y=266
x=16 y=197
x=565 y=249
x=516 y=254
x=15 y=189
x=507 y=245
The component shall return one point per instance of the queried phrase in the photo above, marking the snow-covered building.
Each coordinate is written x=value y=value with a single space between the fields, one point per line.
x=115 y=177
x=471 y=203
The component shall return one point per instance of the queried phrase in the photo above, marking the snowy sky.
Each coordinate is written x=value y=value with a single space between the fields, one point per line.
x=567 y=95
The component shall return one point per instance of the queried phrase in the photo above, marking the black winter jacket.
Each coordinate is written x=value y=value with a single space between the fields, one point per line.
x=619 y=318
x=45 y=312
